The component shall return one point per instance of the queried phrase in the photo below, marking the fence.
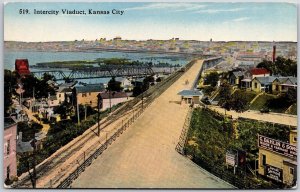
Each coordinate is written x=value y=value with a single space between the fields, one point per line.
x=241 y=179
x=182 y=139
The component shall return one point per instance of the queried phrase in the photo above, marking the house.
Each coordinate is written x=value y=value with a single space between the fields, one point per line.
x=53 y=101
x=125 y=83
x=278 y=159
x=259 y=84
x=10 y=148
x=235 y=78
x=109 y=99
x=87 y=95
x=191 y=96
x=282 y=84
x=251 y=74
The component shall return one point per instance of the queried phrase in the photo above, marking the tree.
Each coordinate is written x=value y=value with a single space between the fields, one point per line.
x=41 y=87
x=239 y=102
x=158 y=79
x=137 y=90
x=225 y=96
x=266 y=64
x=10 y=83
x=208 y=90
x=211 y=79
x=281 y=66
x=114 y=85
x=64 y=110
x=291 y=96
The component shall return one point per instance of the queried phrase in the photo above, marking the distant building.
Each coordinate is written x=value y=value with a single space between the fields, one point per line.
x=87 y=95
x=278 y=159
x=109 y=99
x=118 y=38
x=10 y=149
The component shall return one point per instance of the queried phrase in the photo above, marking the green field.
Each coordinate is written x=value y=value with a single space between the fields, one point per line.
x=261 y=102
x=249 y=95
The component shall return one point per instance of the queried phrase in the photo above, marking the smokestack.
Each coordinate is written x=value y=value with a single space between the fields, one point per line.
x=274 y=52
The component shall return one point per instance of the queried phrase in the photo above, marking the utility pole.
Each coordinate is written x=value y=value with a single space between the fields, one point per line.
x=142 y=101
x=85 y=112
x=33 y=174
x=78 y=118
x=99 y=106
x=109 y=96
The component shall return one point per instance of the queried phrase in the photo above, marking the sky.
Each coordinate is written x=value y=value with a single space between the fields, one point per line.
x=142 y=21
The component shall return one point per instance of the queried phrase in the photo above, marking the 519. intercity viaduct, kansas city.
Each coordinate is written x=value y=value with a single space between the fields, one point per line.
x=78 y=12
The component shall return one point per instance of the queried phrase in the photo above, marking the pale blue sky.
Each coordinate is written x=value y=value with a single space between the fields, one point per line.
x=141 y=21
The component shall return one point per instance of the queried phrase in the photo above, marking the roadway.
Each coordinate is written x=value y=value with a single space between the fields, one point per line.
x=279 y=118
x=145 y=157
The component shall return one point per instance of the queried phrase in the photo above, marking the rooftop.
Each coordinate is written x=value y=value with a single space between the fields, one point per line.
x=190 y=93
x=8 y=122
x=259 y=71
x=90 y=88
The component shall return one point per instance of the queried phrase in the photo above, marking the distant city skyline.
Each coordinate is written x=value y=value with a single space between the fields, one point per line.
x=161 y=21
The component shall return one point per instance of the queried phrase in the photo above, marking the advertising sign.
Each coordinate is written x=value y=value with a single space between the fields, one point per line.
x=230 y=158
x=277 y=146
x=274 y=173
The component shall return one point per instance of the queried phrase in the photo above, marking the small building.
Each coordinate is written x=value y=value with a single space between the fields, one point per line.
x=278 y=159
x=235 y=78
x=125 y=83
x=260 y=84
x=87 y=95
x=283 y=84
x=191 y=96
x=109 y=99
x=53 y=101
x=249 y=75
x=10 y=148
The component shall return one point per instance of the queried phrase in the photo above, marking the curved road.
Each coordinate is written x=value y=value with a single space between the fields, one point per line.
x=145 y=157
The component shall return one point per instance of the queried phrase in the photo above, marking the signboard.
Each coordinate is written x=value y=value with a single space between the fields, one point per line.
x=274 y=173
x=277 y=146
x=230 y=158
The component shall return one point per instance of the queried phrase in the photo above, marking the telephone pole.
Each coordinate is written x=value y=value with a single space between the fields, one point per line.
x=99 y=106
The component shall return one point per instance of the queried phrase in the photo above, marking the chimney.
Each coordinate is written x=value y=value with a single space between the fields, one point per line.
x=274 y=52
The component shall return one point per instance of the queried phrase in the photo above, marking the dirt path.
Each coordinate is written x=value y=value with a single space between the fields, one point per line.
x=145 y=157
x=256 y=115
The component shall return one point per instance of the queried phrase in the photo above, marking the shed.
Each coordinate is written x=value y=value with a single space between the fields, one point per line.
x=191 y=96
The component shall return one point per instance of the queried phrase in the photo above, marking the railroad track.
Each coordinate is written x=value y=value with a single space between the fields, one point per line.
x=63 y=154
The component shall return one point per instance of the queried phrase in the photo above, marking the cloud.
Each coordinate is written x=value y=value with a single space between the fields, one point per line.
x=241 y=19
x=170 y=6
x=236 y=20
x=211 y=11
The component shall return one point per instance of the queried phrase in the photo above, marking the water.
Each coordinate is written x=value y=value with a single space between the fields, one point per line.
x=35 y=57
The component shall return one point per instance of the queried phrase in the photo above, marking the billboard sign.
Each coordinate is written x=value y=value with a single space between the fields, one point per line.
x=277 y=146
x=230 y=158
x=274 y=173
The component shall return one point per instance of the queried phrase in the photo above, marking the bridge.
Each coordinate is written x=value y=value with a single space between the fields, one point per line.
x=116 y=71
x=99 y=72
x=143 y=156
